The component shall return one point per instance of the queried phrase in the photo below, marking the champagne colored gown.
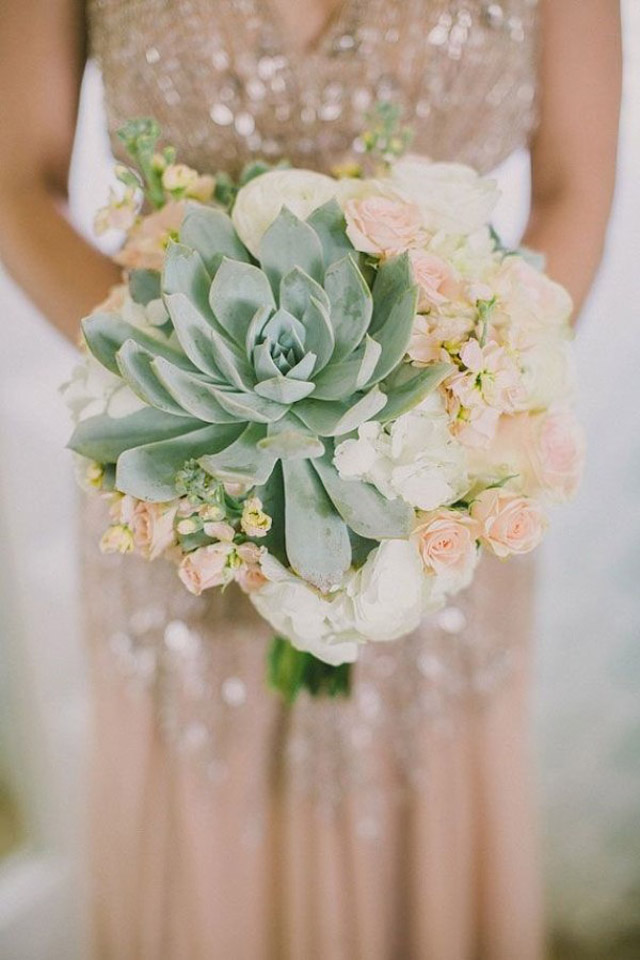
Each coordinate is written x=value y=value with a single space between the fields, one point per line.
x=396 y=825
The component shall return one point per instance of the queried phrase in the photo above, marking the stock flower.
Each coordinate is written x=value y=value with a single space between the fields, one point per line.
x=119 y=213
x=254 y=521
x=509 y=523
x=118 y=538
x=147 y=242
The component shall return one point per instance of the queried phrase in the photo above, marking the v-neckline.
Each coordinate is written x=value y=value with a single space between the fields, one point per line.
x=317 y=43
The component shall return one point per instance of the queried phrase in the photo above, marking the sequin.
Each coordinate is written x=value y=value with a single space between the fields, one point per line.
x=227 y=87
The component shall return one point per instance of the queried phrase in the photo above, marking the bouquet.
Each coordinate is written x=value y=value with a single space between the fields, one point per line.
x=336 y=391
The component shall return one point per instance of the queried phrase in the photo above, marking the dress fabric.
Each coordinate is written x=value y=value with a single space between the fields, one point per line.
x=396 y=825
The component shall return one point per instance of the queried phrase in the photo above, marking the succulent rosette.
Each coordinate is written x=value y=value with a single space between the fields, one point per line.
x=334 y=392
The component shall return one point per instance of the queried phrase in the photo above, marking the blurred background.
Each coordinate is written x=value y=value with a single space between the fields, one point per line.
x=587 y=694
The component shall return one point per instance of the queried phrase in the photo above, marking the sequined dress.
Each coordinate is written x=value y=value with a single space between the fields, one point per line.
x=396 y=825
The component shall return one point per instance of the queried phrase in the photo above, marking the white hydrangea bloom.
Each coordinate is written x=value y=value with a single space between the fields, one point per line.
x=416 y=458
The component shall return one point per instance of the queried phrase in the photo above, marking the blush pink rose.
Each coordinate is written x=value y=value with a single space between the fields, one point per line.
x=559 y=453
x=446 y=541
x=207 y=567
x=152 y=525
x=147 y=241
x=510 y=524
x=435 y=278
x=545 y=450
x=383 y=226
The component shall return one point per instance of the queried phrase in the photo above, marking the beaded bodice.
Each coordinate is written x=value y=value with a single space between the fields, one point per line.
x=227 y=85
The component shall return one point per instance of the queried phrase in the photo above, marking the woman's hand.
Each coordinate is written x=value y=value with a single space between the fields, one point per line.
x=574 y=150
x=41 y=63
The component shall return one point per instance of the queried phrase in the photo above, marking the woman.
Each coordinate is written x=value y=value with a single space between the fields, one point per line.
x=396 y=826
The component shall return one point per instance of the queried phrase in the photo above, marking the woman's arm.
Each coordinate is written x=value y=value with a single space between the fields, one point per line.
x=41 y=63
x=574 y=151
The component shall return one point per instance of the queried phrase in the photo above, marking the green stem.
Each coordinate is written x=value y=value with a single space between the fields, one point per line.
x=289 y=671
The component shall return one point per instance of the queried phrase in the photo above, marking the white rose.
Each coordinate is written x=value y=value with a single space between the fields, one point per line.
x=548 y=373
x=261 y=200
x=387 y=592
x=309 y=621
x=451 y=196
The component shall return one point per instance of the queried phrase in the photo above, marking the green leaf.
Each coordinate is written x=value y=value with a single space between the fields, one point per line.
x=351 y=305
x=196 y=335
x=362 y=507
x=134 y=363
x=333 y=418
x=149 y=472
x=296 y=290
x=329 y=223
x=317 y=539
x=185 y=273
x=283 y=390
x=340 y=380
x=395 y=335
x=394 y=276
x=237 y=292
x=212 y=234
x=144 y=286
x=106 y=332
x=272 y=495
x=242 y=460
x=195 y=395
x=413 y=390
x=289 y=243
x=250 y=406
x=288 y=441
x=104 y=438
x=319 y=336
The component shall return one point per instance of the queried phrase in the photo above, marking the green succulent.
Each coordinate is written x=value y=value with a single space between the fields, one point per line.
x=262 y=367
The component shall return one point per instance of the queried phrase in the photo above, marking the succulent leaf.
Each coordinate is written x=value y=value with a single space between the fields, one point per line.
x=406 y=395
x=135 y=365
x=105 y=333
x=284 y=390
x=194 y=394
x=104 y=438
x=351 y=305
x=194 y=333
x=335 y=418
x=212 y=233
x=395 y=335
x=329 y=223
x=288 y=243
x=185 y=273
x=317 y=540
x=394 y=276
x=362 y=506
x=238 y=291
x=149 y=471
x=296 y=290
x=242 y=460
